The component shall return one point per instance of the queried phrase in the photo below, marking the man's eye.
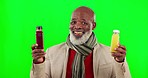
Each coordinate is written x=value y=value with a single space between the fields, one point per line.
x=84 y=23
x=73 y=22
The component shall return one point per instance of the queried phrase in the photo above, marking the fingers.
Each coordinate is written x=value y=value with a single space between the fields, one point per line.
x=34 y=46
x=120 y=50
x=120 y=54
x=38 y=57
x=37 y=50
x=38 y=53
x=117 y=54
x=118 y=57
x=121 y=46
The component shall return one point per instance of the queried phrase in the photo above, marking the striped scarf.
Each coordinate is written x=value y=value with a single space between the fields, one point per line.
x=82 y=50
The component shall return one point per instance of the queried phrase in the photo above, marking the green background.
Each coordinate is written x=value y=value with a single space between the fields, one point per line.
x=19 y=18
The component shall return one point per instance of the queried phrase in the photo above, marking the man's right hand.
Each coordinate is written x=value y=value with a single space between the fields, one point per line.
x=37 y=54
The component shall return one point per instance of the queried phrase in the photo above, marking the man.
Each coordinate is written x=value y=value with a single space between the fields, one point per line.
x=80 y=56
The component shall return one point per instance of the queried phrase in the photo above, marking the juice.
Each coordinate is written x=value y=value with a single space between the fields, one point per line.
x=115 y=40
x=39 y=37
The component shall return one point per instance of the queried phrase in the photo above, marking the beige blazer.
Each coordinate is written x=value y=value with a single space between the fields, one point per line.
x=104 y=65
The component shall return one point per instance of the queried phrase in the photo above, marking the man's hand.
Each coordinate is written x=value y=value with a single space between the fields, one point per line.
x=37 y=54
x=119 y=56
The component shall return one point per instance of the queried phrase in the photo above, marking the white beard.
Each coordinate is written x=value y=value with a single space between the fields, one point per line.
x=83 y=39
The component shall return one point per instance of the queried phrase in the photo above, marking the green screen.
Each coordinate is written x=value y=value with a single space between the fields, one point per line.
x=19 y=18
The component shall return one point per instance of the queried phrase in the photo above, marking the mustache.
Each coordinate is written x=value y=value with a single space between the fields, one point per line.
x=78 y=30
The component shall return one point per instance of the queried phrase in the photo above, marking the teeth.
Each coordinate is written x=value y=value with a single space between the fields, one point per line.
x=78 y=32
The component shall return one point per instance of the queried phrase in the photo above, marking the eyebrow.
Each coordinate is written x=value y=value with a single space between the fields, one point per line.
x=76 y=19
x=73 y=18
x=83 y=19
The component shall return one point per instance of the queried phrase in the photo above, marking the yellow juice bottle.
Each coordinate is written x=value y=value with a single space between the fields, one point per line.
x=115 y=40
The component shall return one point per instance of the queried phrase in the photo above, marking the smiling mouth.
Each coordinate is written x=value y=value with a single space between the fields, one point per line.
x=78 y=33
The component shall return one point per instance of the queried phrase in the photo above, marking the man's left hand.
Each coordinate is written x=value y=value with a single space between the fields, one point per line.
x=119 y=56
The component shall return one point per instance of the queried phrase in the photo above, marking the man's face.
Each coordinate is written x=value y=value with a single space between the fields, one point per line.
x=80 y=24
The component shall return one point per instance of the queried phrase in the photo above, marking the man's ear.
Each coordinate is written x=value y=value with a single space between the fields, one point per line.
x=94 y=25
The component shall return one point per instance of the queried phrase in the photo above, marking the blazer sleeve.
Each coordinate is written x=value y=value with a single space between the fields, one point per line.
x=42 y=70
x=122 y=70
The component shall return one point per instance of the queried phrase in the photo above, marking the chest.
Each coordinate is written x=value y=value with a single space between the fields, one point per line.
x=88 y=63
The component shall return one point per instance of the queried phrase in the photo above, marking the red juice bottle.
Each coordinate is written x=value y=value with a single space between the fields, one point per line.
x=39 y=37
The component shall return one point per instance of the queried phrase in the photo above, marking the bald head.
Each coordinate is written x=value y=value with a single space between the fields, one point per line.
x=85 y=10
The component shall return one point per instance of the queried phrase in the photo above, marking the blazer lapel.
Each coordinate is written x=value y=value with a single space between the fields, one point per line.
x=66 y=51
x=96 y=60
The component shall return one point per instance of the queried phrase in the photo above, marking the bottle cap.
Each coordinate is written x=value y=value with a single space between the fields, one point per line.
x=39 y=27
x=116 y=31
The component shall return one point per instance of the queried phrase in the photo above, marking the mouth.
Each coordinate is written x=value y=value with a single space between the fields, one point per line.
x=78 y=34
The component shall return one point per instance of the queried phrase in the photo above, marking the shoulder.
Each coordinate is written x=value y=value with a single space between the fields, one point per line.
x=57 y=49
x=103 y=48
x=103 y=52
x=58 y=46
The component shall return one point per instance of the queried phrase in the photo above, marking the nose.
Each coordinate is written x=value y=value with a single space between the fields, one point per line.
x=78 y=25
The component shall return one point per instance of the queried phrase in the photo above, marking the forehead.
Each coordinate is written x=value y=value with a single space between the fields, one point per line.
x=81 y=16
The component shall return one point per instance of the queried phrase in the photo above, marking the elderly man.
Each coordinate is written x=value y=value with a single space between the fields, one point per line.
x=80 y=56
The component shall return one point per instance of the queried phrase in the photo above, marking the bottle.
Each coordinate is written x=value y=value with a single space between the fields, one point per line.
x=39 y=37
x=115 y=40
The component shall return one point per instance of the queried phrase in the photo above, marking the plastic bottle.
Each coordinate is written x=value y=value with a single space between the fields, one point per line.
x=115 y=40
